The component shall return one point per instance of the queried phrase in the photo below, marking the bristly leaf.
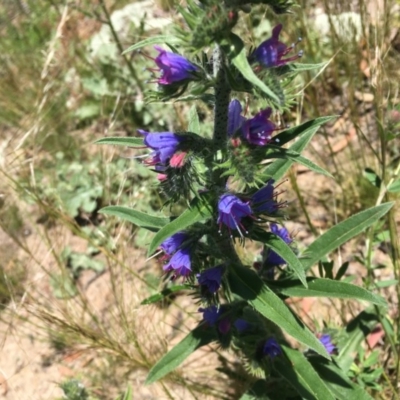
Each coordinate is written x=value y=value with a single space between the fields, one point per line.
x=165 y=293
x=241 y=63
x=197 y=338
x=194 y=123
x=320 y=287
x=342 y=232
x=276 y=244
x=299 y=373
x=122 y=141
x=278 y=168
x=337 y=380
x=152 y=40
x=198 y=211
x=136 y=217
x=356 y=331
x=246 y=284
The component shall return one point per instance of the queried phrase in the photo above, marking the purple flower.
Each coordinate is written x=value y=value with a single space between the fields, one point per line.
x=212 y=315
x=172 y=244
x=241 y=325
x=164 y=144
x=174 y=67
x=231 y=210
x=180 y=262
x=273 y=259
x=258 y=130
x=263 y=200
x=211 y=278
x=327 y=342
x=270 y=53
x=235 y=120
x=271 y=348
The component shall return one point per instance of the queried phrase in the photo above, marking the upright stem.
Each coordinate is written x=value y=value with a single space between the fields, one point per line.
x=222 y=93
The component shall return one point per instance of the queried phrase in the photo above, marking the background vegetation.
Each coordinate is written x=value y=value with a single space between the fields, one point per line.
x=71 y=279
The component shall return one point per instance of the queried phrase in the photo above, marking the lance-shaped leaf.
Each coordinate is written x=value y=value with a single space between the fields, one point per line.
x=246 y=284
x=160 y=39
x=198 y=211
x=136 y=217
x=319 y=287
x=165 y=293
x=276 y=244
x=122 y=141
x=356 y=332
x=241 y=63
x=278 y=152
x=300 y=374
x=342 y=233
x=337 y=381
x=197 y=338
x=194 y=123
x=307 y=130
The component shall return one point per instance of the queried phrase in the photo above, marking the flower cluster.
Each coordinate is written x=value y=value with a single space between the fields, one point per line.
x=216 y=316
x=174 y=67
x=232 y=209
x=256 y=131
x=178 y=253
x=270 y=53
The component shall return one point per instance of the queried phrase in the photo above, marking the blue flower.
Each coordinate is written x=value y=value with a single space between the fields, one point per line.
x=180 y=262
x=270 y=53
x=174 y=67
x=273 y=259
x=271 y=348
x=172 y=244
x=235 y=120
x=263 y=200
x=258 y=130
x=212 y=316
x=231 y=210
x=241 y=325
x=211 y=278
x=327 y=342
x=164 y=144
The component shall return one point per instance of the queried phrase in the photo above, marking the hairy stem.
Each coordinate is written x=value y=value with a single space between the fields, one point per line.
x=222 y=93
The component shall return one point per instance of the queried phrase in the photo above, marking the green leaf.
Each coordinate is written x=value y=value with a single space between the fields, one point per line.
x=199 y=211
x=194 y=123
x=136 y=217
x=337 y=381
x=276 y=244
x=394 y=187
x=299 y=373
x=160 y=39
x=372 y=177
x=197 y=338
x=356 y=331
x=127 y=395
x=342 y=233
x=241 y=63
x=122 y=141
x=246 y=284
x=307 y=130
x=276 y=152
x=164 y=293
x=320 y=287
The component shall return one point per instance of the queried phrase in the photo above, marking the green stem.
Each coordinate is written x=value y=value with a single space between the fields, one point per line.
x=222 y=94
x=120 y=48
